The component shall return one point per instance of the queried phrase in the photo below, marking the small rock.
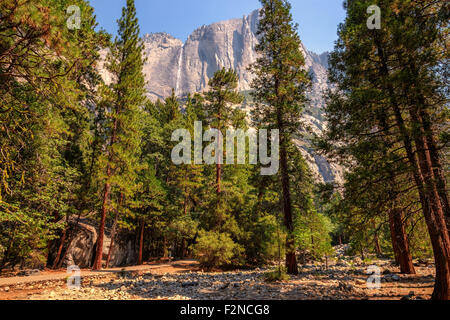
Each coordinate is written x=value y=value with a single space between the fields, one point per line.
x=395 y=277
x=6 y=289
x=345 y=287
x=226 y=285
x=189 y=284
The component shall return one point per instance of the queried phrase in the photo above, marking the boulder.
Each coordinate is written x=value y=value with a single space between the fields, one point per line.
x=81 y=250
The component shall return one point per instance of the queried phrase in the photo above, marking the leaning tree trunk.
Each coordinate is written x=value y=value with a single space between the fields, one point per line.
x=401 y=242
x=72 y=234
x=435 y=220
x=432 y=149
x=437 y=230
x=394 y=238
x=438 y=226
x=60 y=248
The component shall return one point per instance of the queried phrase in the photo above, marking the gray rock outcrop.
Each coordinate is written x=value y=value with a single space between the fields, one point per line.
x=81 y=250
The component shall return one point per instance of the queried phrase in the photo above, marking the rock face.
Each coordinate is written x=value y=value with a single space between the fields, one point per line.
x=231 y=44
x=162 y=53
x=228 y=44
x=187 y=67
x=82 y=248
x=124 y=252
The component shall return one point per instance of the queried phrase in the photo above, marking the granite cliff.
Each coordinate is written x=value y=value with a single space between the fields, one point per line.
x=187 y=67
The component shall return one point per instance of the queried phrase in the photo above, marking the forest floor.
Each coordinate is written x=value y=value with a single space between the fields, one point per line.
x=184 y=280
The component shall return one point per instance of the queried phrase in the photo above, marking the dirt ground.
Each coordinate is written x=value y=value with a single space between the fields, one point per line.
x=184 y=280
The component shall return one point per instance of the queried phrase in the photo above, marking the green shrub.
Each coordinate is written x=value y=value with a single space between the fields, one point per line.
x=214 y=249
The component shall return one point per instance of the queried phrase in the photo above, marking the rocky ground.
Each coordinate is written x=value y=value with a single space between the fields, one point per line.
x=342 y=280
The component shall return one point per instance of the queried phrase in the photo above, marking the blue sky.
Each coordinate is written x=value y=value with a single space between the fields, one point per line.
x=317 y=19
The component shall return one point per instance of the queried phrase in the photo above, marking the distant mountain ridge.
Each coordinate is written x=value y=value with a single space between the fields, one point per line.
x=187 y=67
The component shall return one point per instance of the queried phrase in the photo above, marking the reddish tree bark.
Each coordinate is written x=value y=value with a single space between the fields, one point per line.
x=436 y=166
x=401 y=242
x=394 y=238
x=437 y=231
x=60 y=248
x=436 y=220
x=436 y=225
x=101 y=230
x=141 y=241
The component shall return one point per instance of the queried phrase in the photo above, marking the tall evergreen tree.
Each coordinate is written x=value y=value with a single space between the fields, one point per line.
x=124 y=100
x=47 y=75
x=279 y=91
x=389 y=86
x=219 y=108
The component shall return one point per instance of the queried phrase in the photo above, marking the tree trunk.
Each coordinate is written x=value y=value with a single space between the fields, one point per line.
x=435 y=220
x=401 y=241
x=438 y=227
x=218 y=158
x=438 y=235
x=111 y=245
x=291 y=261
x=60 y=248
x=394 y=237
x=72 y=234
x=377 y=245
x=183 y=248
x=141 y=241
x=165 y=250
x=101 y=230
x=436 y=165
x=439 y=240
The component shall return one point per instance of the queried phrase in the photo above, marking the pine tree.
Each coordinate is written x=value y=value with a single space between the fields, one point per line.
x=124 y=100
x=47 y=74
x=279 y=91
x=219 y=108
x=388 y=86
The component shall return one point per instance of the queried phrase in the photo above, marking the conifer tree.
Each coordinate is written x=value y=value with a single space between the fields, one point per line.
x=219 y=108
x=279 y=91
x=124 y=99
x=389 y=87
x=47 y=74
